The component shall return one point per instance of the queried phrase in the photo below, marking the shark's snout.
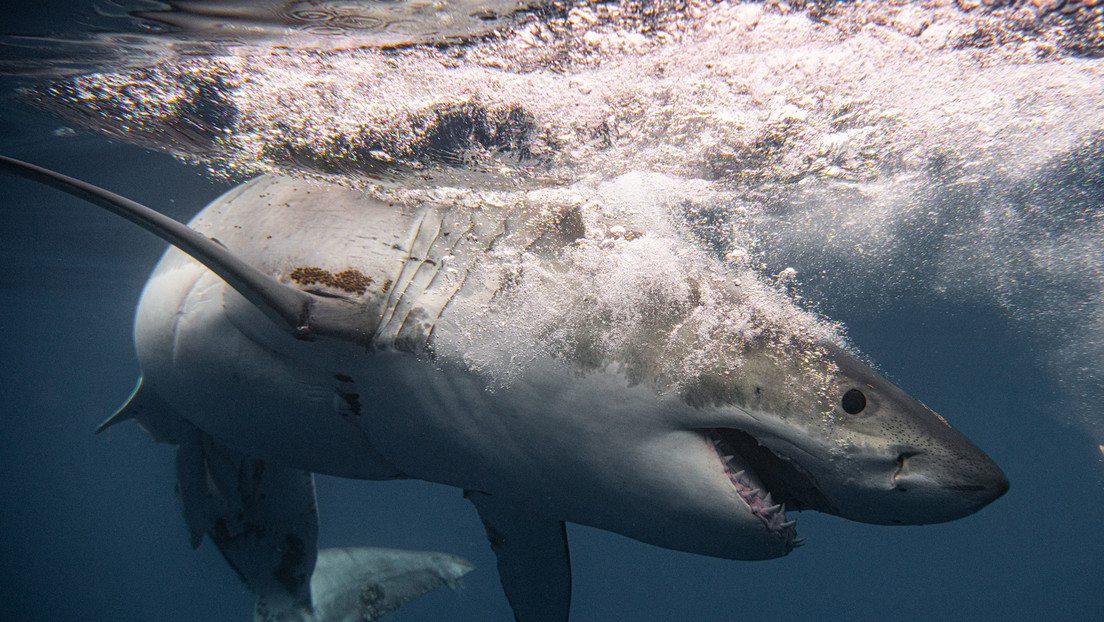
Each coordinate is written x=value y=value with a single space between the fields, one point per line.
x=934 y=488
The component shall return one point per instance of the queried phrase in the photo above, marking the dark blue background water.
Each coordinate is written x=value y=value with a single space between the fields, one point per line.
x=92 y=530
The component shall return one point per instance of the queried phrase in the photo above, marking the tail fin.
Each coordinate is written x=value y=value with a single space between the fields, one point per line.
x=362 y=584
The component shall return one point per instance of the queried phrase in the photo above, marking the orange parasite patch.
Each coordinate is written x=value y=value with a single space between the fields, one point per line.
x=349 y=280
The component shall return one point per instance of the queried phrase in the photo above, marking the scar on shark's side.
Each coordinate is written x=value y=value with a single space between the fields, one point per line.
x=350 y=280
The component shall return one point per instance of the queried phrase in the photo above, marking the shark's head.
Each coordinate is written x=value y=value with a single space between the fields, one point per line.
x=851 y=444
x=896 y=461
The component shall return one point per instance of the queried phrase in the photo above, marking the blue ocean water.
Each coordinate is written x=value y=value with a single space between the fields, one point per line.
x=92 y=529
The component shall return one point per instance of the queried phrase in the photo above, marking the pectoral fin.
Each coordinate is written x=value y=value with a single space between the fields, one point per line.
x=306 y=316
x=533 y=561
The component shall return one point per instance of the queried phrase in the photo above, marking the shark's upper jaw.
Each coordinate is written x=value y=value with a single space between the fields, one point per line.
x=768 y=483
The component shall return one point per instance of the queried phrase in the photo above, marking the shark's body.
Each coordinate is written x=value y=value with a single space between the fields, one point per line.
x=555 y=362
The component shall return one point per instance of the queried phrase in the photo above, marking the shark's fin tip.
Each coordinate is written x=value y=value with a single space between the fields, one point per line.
x=125 y=412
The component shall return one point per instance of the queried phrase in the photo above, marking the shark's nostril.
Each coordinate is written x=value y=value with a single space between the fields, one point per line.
x=903 y=457
x=902 y=468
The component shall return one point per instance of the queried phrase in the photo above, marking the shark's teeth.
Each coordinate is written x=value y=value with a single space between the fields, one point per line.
x=750 y=490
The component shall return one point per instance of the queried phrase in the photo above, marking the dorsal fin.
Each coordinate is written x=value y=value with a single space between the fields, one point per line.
x=305 y=315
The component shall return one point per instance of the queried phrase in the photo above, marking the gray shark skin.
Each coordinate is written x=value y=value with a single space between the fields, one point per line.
x=558 y=363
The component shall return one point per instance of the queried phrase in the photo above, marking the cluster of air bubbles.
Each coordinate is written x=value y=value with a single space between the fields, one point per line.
x=634 y=293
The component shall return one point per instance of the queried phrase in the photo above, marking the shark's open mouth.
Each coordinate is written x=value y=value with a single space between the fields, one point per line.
x=768 y=483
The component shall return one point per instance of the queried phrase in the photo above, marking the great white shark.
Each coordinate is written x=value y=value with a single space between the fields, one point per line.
x=528 y=354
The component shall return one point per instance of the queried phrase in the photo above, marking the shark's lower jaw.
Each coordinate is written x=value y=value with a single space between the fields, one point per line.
x=766 y=482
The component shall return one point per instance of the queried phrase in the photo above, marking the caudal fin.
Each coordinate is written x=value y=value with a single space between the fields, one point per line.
x=362 y=584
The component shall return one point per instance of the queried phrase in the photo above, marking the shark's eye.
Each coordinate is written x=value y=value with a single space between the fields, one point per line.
x=853 y=402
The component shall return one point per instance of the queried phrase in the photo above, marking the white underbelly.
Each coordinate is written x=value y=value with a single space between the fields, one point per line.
x=272 y=398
